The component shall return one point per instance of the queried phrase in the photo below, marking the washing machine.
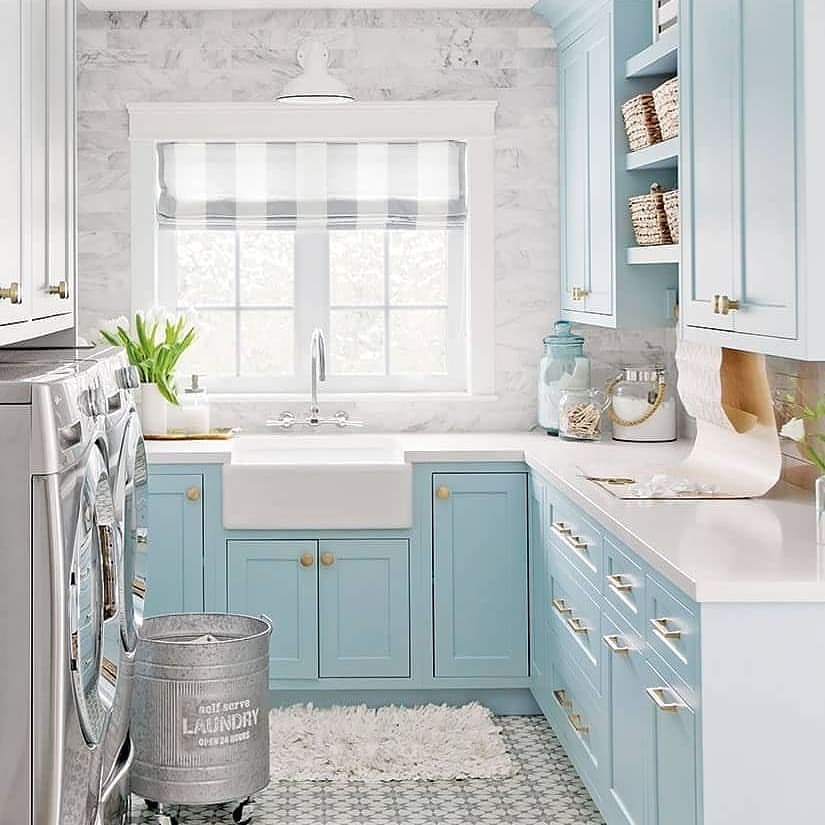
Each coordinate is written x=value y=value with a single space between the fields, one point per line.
x=129 y=482
x=59 y=593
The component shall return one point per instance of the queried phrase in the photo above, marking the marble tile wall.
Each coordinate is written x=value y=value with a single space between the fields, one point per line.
x=509 y=56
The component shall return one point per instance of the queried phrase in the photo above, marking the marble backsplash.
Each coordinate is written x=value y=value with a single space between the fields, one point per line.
x=508 y=56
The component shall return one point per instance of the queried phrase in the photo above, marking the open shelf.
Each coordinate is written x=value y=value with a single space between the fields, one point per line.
x=665 y=254
x=661 y=58
x=664 y=155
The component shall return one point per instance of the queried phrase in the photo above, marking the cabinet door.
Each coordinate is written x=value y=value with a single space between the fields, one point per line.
x=480 y=574
x=628 y=708
x=538 y=594
x=672 y=762
x=279 y=579
x=364 y=607
x=174 y=580
x=585 y=84
x=14 y=17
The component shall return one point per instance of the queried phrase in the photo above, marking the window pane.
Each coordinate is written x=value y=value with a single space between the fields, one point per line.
x=206 y=267
x=357 y=341
x=267 y=342
x=418 y=341
x=418 y=266
x=267 y=268
x=356 y=267
x=213 y=352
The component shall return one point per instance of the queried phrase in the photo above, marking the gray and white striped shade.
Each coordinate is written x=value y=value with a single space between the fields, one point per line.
x=285 y=185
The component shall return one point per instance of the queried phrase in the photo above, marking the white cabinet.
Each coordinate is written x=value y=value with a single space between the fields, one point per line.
x=36 y=168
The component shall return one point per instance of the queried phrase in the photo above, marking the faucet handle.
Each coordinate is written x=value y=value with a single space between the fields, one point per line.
x=342 y=419
x=285 y=420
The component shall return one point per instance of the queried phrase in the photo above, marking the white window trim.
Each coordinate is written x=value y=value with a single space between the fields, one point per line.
x=472 y=122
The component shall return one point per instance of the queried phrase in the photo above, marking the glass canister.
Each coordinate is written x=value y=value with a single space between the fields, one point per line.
x=580 y=414
x=642 y=405
x=563 y=366
x=193 y=413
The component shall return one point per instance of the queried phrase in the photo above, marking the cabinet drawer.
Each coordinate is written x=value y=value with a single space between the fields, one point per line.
x=579 y=539
x=581 y=721
x=575 y=619
x=671 y=630
x=624 y=584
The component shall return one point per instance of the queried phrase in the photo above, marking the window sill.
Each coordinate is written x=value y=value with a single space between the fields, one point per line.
x=351 y=399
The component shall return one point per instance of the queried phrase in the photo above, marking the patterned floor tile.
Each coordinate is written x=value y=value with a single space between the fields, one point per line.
x=545 y=791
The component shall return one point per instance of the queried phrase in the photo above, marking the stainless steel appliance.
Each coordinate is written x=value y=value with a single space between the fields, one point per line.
x=104 y=434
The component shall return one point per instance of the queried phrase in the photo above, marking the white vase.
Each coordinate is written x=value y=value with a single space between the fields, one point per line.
x=153 y=407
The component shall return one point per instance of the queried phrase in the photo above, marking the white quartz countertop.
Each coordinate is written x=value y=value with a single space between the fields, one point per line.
x=760 y=550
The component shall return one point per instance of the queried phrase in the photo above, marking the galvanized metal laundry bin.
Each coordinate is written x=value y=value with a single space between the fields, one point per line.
x=200 y=711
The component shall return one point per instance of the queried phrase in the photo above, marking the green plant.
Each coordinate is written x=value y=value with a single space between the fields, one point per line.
x=811 y=444
x=155 y=347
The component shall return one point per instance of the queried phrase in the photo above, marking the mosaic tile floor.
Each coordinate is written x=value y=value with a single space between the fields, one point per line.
x=545 y=791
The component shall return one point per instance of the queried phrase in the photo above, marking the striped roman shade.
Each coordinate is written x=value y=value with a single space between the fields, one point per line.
x=287 y=185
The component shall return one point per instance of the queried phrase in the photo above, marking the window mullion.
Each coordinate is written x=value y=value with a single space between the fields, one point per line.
x=311 y=294
x=386 y=302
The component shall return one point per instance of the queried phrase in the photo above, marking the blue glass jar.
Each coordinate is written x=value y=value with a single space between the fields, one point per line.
x=564 y=366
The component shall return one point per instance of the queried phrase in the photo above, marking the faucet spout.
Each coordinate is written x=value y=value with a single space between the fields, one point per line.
x=318 y=357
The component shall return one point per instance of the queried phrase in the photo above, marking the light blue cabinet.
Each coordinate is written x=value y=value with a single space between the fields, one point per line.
x=480 y=574
x=174 y=580
x=364 y=607
x=279 y=579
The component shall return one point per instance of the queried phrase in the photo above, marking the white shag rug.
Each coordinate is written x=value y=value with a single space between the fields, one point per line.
x=357 y=743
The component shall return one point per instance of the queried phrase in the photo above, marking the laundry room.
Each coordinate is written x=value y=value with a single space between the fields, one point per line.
x=411 y=412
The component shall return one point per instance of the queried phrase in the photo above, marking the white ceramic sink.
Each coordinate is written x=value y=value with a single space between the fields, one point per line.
x=304 y=482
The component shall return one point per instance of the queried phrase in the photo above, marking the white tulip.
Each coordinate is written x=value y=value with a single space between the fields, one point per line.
x=110 y=326
x=794 y=429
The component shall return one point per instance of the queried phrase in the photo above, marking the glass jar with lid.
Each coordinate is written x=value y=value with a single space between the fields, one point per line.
x=580 y=414
x=642 y=405
x=563 y=366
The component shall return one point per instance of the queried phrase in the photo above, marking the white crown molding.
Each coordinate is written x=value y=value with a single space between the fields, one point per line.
x=366 y=120
x=223 y=5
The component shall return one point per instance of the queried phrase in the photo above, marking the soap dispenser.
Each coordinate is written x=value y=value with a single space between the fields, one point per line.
x=194 y=409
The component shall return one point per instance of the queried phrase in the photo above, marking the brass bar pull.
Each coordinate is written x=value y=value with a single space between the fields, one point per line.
x=575 y=624
x=327 y=559
x=11 y=293
x=561 y=606
x=614 y=643
x=561 y=697
x=662 y=629
x=307 y=559
x=617 y=582
x=60 y=289
x=561 y=528
x=576 y=723
x=193 y=493
x=657 y=696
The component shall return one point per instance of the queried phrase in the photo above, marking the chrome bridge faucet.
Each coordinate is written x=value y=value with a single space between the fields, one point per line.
x=318 y=372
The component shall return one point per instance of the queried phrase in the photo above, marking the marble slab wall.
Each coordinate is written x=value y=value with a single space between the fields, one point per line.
x=508 y=56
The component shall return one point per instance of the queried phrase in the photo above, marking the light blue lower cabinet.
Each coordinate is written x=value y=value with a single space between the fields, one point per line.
x=364 y=607
x=280 y=580
x=174 y=576
x=480 y=574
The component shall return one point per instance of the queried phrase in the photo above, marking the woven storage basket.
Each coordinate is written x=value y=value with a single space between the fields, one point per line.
x=647 y=212
x=640 y=122
x=671 y=202
x=666 y=101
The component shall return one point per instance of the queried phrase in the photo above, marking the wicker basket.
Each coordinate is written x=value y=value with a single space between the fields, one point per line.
x=666 y=101
x=640 y=122
x=647 y=212
x=671 y=202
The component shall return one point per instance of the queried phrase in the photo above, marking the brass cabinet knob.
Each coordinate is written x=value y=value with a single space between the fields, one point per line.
x=11 y=293
x=579 y=293
x=308 y=559
x=193 y=493
x=327 y=559
x=60 y=289
x=442 y=492
x=722 y=305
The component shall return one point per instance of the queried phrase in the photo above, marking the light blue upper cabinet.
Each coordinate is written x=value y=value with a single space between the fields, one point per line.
x=279 y=579
x=598 y=285
x=364 y=606
x=174 y=579
x=480 y=574
x=753 y=158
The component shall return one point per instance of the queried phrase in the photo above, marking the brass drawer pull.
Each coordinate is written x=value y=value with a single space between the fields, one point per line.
x=661 y=629
x=561 y=698
x=561 y=606
x=575 y=624
x=61 y=289
x=657 y=695
x=616 y=581
x=307 y=559
x=442 y=493
x=578 y=293
x=576 y=723
x=722 y=305
x=11 y=293
x=614 y=643
x=327 y=559
x=561 y=528
x=193 y=493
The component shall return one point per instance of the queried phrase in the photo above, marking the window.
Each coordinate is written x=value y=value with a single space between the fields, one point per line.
x=367 y=239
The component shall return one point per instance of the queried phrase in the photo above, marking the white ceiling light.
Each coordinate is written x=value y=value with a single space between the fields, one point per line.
x=315 y=84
